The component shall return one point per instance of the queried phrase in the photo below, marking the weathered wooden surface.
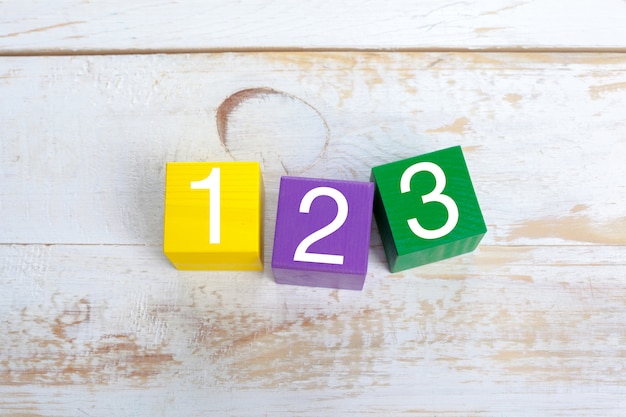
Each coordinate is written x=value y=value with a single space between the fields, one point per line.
x=114 y=330
x=70 y=26
x=532 y=323
x=96 y=322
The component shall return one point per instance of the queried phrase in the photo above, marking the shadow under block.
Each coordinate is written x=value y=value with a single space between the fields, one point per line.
x=426 y=209
x=322 y=234
x=214 y=215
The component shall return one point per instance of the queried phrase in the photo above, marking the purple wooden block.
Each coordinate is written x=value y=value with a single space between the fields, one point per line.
x=322 y=234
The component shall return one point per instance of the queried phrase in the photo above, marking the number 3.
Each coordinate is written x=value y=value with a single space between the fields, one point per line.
x=434 y=195
x=301 y=253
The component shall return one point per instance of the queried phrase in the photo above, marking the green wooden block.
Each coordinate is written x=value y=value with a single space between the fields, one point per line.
x=426 y=209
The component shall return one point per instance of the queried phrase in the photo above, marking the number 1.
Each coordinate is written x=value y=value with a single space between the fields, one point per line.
x=212 y=183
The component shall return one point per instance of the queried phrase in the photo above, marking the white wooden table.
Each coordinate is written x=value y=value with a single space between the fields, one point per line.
x=95 y=98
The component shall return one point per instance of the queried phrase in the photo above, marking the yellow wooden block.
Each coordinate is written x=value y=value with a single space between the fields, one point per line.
x=214 y=215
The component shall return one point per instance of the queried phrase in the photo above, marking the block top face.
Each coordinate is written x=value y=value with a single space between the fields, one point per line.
x=187 y=225
x=429 y=200
x=336 y=225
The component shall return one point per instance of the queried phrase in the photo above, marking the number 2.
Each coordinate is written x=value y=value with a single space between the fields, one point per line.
x=435 y=195
x=301 y=253
x=212 y=183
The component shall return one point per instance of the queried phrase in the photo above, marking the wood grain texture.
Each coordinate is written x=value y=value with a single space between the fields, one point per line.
x=96 y=322
x=476 y=335
x=72 y=26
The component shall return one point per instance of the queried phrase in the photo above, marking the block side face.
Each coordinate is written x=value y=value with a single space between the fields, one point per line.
x=437 y=253
x=187 y=220
x=217 y=267
x=243 y=258
x=384 y=229
x=433 y=215
x=351 y=238
x=307 y=278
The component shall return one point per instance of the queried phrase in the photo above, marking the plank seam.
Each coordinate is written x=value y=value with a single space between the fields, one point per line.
x=184 y=51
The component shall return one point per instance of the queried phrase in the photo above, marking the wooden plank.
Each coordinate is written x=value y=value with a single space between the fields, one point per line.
x=114 y=330
x=71 y=26
x=85 y=139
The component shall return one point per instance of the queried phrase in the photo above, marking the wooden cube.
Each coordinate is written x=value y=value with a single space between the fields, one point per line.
x=426 y=209
x=322 y=234
x=214 y=215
